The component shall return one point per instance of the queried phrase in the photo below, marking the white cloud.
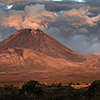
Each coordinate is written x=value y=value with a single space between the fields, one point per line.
x=36 y=16
x=33 y=16
x=80 y=17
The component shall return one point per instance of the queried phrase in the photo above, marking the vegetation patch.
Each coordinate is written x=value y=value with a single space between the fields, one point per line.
x=33 y=90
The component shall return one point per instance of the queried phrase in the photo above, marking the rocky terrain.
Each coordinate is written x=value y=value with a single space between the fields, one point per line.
x=32 y=54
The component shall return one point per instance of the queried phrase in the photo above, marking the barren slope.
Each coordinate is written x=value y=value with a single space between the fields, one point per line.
x=18 y=65
x=32 y=54
x=40 y=42
x=15 y=58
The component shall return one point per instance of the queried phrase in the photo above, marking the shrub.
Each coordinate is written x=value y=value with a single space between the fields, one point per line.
x=32 y=87
x=77 y=83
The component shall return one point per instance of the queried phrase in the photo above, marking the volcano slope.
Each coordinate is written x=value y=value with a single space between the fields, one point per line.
x=32 y=54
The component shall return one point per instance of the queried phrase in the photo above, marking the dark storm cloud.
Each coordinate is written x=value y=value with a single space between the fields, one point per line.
x=21 y=1
x=51 y=6
x=60 y=6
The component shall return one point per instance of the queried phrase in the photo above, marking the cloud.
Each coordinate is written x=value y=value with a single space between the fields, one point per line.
x=81 y=30
x=33 y=16
x=77 y=28
x=83 y=45
x=53 y=31
x=20 y=1
x=13 y=1
x=60 y=6
x=13 y=19
x=95 y=8
x=80 y=17
x=36 y=16
x=0 y=36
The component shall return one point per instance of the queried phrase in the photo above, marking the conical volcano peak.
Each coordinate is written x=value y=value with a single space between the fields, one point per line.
x=39 y=41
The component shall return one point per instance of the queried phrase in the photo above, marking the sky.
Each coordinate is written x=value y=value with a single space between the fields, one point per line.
x=74 y=23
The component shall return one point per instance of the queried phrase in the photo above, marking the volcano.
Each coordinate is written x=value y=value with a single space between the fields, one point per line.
x=41 y=42
x=33 y=54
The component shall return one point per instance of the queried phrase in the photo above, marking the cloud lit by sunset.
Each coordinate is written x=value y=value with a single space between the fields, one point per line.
x=72 y=22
